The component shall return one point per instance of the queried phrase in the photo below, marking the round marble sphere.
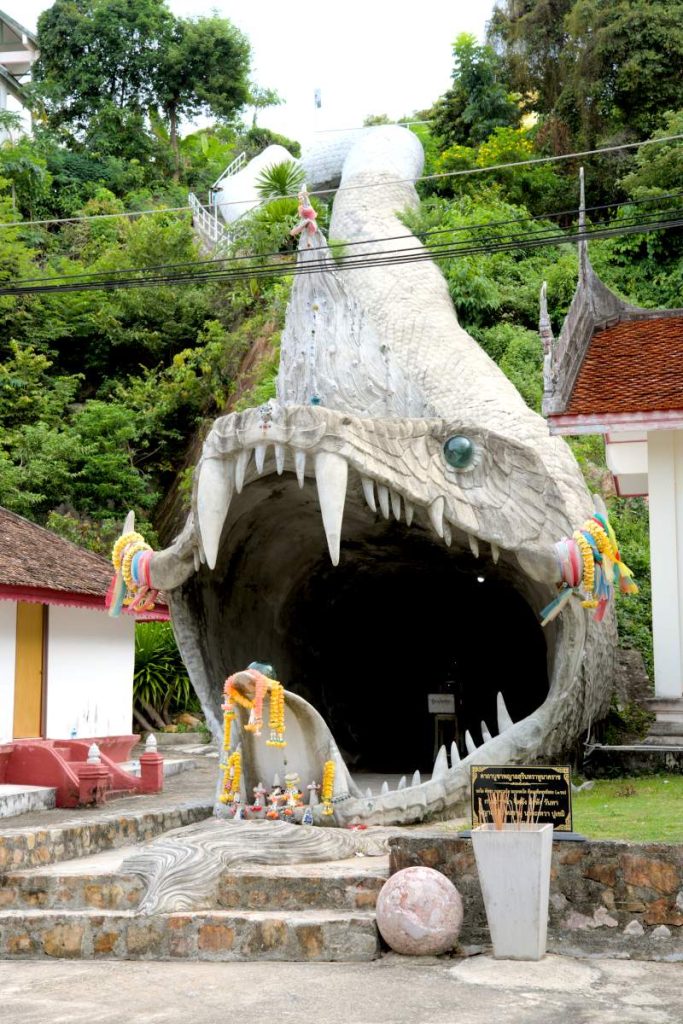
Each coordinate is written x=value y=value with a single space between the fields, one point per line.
x=419 y=912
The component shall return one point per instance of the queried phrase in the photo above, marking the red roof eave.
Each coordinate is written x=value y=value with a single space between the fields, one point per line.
x=603 y=423
x=43 y=595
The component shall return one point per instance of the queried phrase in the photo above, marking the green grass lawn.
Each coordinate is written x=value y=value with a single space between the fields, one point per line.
x=648 y=809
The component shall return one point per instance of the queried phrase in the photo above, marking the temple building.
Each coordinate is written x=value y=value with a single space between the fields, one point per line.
x=18 y=51
x=66 y=667
x=617 y=370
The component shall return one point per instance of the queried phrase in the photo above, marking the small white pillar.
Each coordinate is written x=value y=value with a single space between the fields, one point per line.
x=665 y=472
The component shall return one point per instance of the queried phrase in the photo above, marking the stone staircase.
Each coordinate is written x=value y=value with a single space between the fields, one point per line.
x=86 y=909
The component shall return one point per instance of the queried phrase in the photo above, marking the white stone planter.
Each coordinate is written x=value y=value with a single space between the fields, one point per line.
x=514 y=873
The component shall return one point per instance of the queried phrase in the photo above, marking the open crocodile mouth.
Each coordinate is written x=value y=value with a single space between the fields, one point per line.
x=319 y=544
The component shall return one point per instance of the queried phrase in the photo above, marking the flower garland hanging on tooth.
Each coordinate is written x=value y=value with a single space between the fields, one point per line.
x=132 y=586
x=327 y=788
x=590 y=567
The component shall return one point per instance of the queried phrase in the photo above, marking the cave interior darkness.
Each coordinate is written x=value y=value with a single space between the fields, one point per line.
x=365 y=642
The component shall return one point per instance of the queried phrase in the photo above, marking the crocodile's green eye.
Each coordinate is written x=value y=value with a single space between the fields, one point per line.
x=458 y=451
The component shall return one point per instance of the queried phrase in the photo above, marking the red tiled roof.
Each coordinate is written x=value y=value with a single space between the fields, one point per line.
x=635 y=366
x=31 y=556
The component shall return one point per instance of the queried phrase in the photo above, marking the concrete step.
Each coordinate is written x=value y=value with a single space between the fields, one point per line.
x=172 y=765
x=335 y=885
x=40 y=845
x=312 y=935
x=100 y=882
x=21 y=799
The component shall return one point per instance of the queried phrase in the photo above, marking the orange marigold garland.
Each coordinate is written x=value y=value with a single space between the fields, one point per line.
x=327 y=788
x=276 y=721
x=232 y=775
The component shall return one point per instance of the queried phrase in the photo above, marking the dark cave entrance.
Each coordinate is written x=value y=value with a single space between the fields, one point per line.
x=373 y=638
x=366 y=642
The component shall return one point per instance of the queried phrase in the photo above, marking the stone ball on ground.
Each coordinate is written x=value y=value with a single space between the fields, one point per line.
x=419 y=912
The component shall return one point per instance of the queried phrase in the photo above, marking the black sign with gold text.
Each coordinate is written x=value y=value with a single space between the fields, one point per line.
x=551 y=788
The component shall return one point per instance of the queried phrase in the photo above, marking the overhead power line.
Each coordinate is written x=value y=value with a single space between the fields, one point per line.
x=277 y=254
x=367 y=260
x=351 y=188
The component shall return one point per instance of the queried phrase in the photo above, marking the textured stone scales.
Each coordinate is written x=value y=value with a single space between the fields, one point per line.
x=386 y=524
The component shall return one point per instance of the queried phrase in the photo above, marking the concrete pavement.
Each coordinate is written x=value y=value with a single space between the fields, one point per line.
x=393 y=990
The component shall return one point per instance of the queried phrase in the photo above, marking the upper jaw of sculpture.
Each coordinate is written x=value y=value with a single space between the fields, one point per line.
x=503 y=496
x=261 y=540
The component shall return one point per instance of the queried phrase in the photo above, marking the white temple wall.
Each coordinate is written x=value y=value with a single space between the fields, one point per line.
x=8 y=626
x=665 y=472
x=90 y=662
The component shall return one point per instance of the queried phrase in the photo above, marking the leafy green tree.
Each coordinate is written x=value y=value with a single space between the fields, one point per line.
x=478 y=101
x=100 y=54
x=595 y=68
x=261 y=99
x=530 y=37
x=106 y=65
x=203 y=69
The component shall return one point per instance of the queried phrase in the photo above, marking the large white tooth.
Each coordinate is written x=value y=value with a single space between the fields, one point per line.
x=495 y=552
x=436 y=515
x=395 y=504
x=241 y=468
x=474 y=544
x=331 y=477
x=300 y=465
x=440 y=769
x=383 y=495
x=368 y=793
x=402 y=782
x=504 y=719
x=416 y=779
x=385 y=787
x=447 y=535
x=279 y=459
x=455 y=754
x=485 y=734
x=369 y=492
x=469 y=743
x=409 y=513
x=214 y=494
x=260 y=457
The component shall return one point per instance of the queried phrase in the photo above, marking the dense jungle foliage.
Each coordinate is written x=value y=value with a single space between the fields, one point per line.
x=102 y=391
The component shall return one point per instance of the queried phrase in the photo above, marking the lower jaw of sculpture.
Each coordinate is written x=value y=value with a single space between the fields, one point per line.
x=403 y=615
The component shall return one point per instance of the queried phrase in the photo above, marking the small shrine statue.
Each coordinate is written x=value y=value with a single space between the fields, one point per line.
x=292 y=789
x=307 y=217
x=313 y=790
x=260 y=794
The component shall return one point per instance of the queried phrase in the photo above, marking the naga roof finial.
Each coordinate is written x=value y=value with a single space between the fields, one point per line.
x=584 y=263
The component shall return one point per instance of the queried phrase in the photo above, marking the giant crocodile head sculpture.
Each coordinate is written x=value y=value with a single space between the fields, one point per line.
x=386 y=525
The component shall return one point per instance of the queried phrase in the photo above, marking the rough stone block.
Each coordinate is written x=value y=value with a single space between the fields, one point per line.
x=144 y=939
x=64 y=940
x=216 y=938
x=649 y=874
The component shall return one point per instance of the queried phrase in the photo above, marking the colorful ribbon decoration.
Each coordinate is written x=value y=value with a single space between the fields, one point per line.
x=132 y=585
x=591 y=568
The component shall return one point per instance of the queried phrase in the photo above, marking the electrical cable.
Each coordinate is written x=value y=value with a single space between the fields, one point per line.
x=345 y=245
x=351 y=188
x=362 y=261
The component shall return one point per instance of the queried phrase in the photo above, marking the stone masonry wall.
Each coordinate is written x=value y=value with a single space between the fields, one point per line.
x=607 y=898
x=35 y=847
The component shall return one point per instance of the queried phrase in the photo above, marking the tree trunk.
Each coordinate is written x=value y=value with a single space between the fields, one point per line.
x=153 y=714
x=173 y=118
x=141 y=720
